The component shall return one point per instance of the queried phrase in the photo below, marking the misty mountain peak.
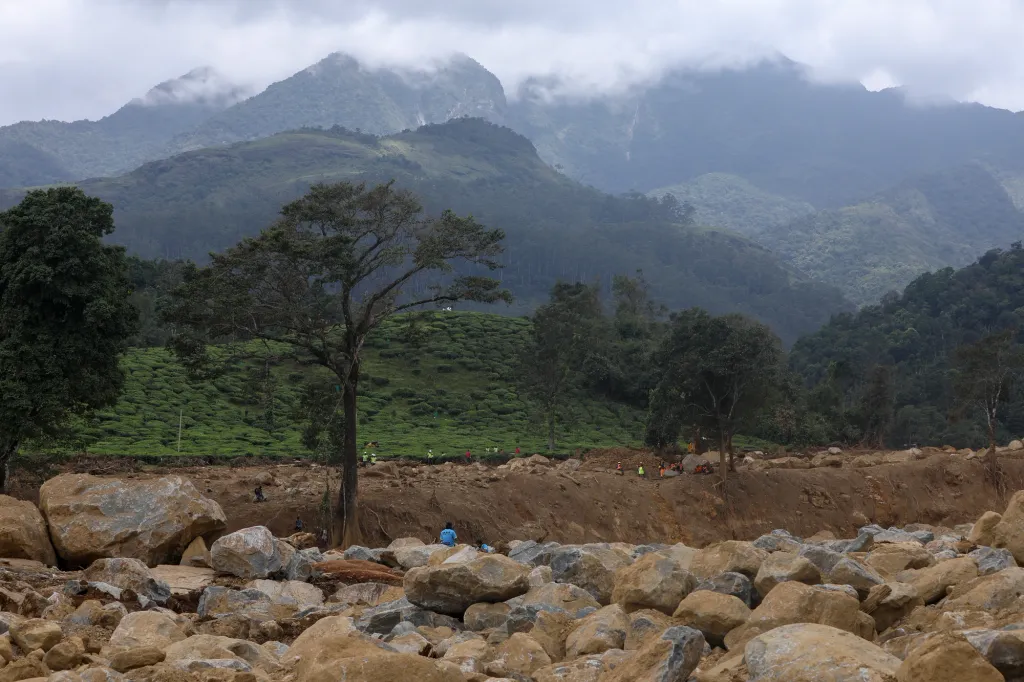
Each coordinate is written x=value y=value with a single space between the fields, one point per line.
x=204 y=85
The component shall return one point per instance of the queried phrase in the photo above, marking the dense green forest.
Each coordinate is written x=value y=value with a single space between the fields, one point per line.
x=556 y=229
x=910 y=342
x=877 y=246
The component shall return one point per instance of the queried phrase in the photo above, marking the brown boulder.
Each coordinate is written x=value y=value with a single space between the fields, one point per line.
x=808 y=652
x=783 y=567
x=36 y=633
x=602 y=630
x=646 y=624
x=452 y=588
x=1009 y=532
x=485 y=616
x=731 y=556
x=793 y=602
x=139 y=657
x=714 y=614
x=151 y=520
x=931 y=583
x=652 y=582
x=145 y=628
x=946 y=657
x=520 y=654
x=891 y=558
x=23 y=532
x=983 y=531
x=197 y=554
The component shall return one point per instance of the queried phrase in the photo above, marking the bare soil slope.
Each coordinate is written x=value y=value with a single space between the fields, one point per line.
x=595 y=504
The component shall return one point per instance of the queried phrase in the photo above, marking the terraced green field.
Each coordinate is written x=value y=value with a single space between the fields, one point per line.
x=445 y=382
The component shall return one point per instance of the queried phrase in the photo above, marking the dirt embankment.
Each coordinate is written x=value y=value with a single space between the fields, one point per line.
x=594 y=504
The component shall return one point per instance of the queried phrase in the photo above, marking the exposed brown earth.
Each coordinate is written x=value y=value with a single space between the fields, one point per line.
x=593 y=504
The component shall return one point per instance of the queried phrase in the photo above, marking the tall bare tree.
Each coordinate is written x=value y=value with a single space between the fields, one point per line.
x=340 y=261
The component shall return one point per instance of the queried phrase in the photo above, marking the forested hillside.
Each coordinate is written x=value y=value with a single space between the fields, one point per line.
x=205 y=201
x=909 y=342
x=829 y=145
x=880 y=245
x=43 y=152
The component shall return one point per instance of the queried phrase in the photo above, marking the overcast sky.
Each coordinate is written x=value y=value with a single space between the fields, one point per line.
x=70 y=59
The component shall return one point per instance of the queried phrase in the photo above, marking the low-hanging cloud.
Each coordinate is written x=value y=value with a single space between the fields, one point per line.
x=71 y=59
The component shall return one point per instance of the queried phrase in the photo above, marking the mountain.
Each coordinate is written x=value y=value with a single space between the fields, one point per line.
x=829 y=145
x=556 y=228
x=880 y=245
x=731 y=202
x=912 y=338
x=340 y=91
x=53 y=151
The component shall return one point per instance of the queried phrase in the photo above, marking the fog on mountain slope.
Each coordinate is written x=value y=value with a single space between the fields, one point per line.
x=556 y=229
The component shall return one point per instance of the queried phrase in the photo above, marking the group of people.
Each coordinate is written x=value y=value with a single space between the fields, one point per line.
x=701 y=468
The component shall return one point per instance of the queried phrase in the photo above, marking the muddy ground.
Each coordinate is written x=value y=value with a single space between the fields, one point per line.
x=593 y=503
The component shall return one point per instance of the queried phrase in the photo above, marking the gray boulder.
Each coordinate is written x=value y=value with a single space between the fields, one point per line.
x=1000 y=648
x=734 y=584
x=247 y=553
x=991 y=560
x=383 y=619
x=129 y=574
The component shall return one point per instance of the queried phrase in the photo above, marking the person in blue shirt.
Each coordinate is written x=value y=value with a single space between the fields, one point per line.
x=448 y=536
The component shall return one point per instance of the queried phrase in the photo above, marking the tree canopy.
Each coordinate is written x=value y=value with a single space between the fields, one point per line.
x=65 y=315
x=340 y=261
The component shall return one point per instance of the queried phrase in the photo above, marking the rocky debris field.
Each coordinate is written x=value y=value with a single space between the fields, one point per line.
x=141 y=580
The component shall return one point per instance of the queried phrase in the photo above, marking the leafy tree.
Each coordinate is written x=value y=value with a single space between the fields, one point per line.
x=65 y=315
x=986 y=374
x=552 y=365
x=338 y=263
x=717 y=373
x=876 y=406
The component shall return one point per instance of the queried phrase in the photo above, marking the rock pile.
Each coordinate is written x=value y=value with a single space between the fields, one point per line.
x=914 y=604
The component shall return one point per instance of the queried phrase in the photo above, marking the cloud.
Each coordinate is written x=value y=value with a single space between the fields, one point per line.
x=69 y=59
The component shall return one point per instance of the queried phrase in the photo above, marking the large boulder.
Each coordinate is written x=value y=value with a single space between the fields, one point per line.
x=982 y=533
x=794 y=602
x=736 y=584
x=128 y=574
x=891 y=558
x=645 y=624
x=729 y=556
x=1009 y=532
x=946 y=657
x=35 y=633
x=600 y=631
x=289 y=596
x=247 y=553
x=890 y=602
x=218 y=601
x=856 y=575
x=151 y=520
x=809 y=652
x=202 y=652
x=931 y=583
x=485 y=616
x=592 y=567
x=452 y=588
x=575 y=601
x=994 y=592
x=714 y=614
x=672 y=657
x=382 y=619
x=784 y=567
x=145 y=628
x=23 y=533
x=520 y=654
x=991 y=560
x=652 y=582
x=1002 y=649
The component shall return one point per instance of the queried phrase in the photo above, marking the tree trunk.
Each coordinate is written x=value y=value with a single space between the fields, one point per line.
x=723 y=457
x=991 y=432
x=7 y=452
x=728 y=447
x=551 y=432
x=346 y=521
x=698 y=442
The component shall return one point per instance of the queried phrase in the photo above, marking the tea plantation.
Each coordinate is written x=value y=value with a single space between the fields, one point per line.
x=443 y=380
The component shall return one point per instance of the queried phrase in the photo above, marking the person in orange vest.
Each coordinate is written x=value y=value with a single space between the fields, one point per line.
x=618 y=467
x=661 y=470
